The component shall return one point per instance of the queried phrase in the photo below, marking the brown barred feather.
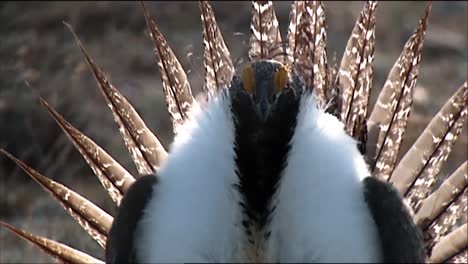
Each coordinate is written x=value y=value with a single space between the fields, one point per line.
x=219 y=69
x=450 y=218
x=416 y=172
x=308 y=47
x=355 y=74
x=387 y=123
x=460 y=257
x=144 y=147
x=450 y=245
x=93 y=219
x=434 y=205
x=265 y=40
x=113 y=177
x=58 y=251
x=174 y=79
x=297 y=10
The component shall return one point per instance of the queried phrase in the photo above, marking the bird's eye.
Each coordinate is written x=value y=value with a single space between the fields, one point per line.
x=281 y=78
x=248 y=78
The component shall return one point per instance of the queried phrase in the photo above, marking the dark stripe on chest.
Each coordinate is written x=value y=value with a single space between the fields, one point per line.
x=261 y=150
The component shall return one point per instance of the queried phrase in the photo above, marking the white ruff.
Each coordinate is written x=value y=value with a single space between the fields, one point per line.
x=194 y=215
x=321 y=215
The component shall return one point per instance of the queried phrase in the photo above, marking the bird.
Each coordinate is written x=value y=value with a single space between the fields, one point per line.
x=282 y=162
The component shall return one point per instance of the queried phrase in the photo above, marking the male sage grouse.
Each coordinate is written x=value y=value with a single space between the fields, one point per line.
x=279 y=161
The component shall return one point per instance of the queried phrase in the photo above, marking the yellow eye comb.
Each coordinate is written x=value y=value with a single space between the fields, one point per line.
x=248 y=78
x=281 y=78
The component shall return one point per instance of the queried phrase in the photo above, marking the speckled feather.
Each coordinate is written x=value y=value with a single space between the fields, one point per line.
x=416 y=172
x=433 y=206
x=460 y=257
x=95 y=221
x=447 y=222
x=58 y=251
x=450 y=246
x=387 y=123
x=297 y=10
x=146 y=150
x=174 y=79
x=355 y=73
x=113 y=177
x=217 y=59
x=307 y=47
x=265 y=39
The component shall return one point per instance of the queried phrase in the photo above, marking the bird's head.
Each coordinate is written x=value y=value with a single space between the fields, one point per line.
x=264 y=80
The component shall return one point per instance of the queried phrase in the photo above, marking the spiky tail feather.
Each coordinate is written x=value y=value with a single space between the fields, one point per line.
x=438 y=213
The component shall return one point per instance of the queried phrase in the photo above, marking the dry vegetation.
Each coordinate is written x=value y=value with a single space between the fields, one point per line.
x=39 y=57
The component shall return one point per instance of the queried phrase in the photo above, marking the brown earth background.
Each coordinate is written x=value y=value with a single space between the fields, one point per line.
x=38 y=56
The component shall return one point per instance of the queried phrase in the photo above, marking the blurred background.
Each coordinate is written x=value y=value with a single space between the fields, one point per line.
x=38 y=57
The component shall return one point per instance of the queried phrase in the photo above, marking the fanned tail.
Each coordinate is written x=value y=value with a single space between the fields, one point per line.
x=440 y=211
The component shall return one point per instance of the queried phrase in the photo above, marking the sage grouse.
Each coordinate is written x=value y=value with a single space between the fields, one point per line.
x=282 y=162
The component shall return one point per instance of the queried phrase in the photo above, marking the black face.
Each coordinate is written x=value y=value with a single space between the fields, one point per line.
x=264 y=80
x=265 y=107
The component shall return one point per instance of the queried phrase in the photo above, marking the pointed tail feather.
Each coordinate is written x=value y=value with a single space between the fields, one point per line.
x=219 y=69
x=355 y=74
x=387 y=123
x=144 y=147
x=93 y=219
x=265 y=40
x=461 y=257
x=434 y=205
x=309 y=53
x=415 y=174
x=174 y=79
x=297 y=10
x=59 y=251
x=454 y=243
x=452 y=217
x=115 y=178
x=445 y=209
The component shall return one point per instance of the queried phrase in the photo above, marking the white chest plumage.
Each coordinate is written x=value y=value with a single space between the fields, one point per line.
x=194 y=215
x=321 y=214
